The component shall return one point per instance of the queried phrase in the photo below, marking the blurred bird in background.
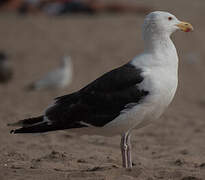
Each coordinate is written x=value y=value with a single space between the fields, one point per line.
x=6 y=71
x=61 y=7
x=57 y=79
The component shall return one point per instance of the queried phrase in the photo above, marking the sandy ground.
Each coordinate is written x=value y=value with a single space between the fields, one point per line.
x=172 y=148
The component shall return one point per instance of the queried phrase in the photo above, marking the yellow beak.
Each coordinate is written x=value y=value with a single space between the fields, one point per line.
x=185 y=26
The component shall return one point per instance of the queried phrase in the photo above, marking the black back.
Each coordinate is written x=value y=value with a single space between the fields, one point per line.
x=100 y=101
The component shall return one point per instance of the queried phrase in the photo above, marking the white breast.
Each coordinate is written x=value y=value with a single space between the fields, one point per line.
x=162 y=85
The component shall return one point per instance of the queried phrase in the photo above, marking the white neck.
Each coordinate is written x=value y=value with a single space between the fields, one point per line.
x=155 y=42
x=160 y=45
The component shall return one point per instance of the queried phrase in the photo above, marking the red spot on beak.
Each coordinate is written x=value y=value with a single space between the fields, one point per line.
x=188 y=30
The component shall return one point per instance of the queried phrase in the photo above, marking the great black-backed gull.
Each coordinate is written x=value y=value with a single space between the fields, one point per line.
x=56 y=79
x=125 y=98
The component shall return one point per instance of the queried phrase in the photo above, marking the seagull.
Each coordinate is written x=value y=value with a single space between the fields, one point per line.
x=126 y=98
x=57 y=79
x=6 y=71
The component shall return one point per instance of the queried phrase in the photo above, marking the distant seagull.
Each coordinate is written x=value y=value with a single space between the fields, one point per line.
x=56 y=79
x=125 y=98
x=6 y=71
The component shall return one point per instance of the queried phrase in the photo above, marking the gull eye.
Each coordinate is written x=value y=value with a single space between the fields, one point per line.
x=170 y=18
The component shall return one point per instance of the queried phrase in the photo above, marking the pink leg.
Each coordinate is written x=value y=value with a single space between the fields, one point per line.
x=129 y=153
x=123 y=146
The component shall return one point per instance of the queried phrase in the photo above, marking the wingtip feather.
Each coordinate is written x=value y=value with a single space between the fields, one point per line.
x=12 y=131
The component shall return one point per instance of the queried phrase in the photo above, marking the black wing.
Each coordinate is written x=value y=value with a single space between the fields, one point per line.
x=100 y=101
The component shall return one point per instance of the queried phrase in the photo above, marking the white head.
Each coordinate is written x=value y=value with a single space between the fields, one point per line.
x=163 y=24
